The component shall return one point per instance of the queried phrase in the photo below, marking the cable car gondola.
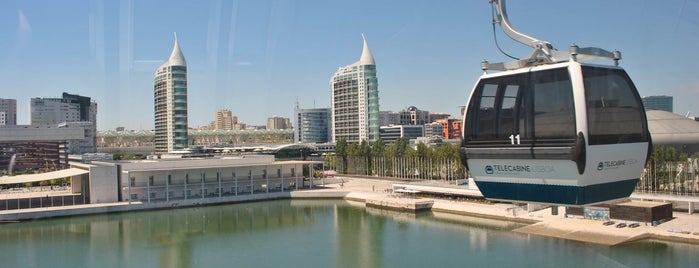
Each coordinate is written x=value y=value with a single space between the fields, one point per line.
x=553 y=129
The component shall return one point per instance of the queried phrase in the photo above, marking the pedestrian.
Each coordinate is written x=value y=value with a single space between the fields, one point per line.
x=372 y=188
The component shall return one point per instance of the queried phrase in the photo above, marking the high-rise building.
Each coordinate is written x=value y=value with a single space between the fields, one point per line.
x=312 y=125
x=69 y=111
x=658 y=103
x=170 y=94
x=278 y=122
x=8 y=112
x=355 y=100
x=225 y=120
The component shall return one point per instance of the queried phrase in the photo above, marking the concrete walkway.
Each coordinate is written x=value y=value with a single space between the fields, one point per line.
x=683 y=228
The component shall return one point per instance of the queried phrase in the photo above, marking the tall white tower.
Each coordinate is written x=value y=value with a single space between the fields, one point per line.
x=170 y=95
x=355 y=100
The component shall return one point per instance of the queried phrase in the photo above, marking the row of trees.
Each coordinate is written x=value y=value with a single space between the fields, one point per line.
x=667 y=171
x=397 y=159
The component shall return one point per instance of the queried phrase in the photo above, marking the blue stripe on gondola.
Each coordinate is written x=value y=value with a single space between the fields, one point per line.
x=557 y=194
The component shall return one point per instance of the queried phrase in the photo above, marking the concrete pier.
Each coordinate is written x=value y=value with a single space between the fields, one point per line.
x=401 y=204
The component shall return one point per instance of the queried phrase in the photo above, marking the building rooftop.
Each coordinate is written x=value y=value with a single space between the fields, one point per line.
x=190 y=163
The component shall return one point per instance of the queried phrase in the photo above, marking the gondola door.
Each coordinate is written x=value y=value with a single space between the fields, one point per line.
x=497 y=124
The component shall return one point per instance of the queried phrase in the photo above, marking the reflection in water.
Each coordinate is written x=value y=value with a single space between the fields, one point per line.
x=316 y=233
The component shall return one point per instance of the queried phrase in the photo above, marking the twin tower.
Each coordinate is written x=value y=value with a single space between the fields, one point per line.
x=354 y=101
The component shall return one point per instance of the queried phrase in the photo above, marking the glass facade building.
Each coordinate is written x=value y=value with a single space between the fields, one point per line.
x=355 y=100
x=408 y=132
x=312 y=125
x=170 y=102
x=663 y=103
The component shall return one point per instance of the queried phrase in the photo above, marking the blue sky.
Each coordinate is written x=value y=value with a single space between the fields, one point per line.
x=257 y=58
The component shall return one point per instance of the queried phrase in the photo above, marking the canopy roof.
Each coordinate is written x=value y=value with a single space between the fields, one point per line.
x=42 y=176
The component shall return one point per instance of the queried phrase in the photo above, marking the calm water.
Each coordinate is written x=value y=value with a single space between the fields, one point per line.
x=308 y=234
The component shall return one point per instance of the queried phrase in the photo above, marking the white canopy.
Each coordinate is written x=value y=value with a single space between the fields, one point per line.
x=42 y=176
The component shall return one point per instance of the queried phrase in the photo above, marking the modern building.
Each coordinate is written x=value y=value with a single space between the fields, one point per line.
x=278 y=122
x=414 y=116
x=355 y=100
x=160 y=183
x=669 y=129
x=170 y=93
x=206 y=179
x=387 y=118
x=434 y=129
x=69 y=111
x=33 y=148
x=437 y=116
x=68 y=108
x=663 y=103
x=391 y=133
x=225 y=120
x=141 y=142
x=8 y=112
x=88 y=141
x=409 y=116
x=312 y=125
x=451 y=128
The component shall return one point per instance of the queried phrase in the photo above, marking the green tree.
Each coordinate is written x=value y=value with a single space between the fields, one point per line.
x=341 y=155
x=423 y=151
x=378 y=149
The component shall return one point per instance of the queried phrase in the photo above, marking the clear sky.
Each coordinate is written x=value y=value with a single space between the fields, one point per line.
x=256 y=58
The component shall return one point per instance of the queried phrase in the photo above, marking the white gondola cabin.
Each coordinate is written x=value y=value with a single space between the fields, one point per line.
x=550 y=129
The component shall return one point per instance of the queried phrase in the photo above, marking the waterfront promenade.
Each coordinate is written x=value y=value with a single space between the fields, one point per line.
x=682 y=228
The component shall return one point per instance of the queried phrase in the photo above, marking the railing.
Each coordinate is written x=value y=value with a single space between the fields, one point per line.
x=408 y=168
x=671 y=178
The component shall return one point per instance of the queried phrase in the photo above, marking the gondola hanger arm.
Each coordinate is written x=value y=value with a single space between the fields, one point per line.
x=544 y=52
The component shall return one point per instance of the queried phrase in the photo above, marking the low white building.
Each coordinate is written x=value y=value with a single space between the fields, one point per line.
x=183 y=179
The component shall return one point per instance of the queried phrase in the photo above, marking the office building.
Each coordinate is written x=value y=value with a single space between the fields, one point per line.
x=414 y=116
x=434 y=129
x=451 y=128
x=170 y=93
x=277 y=122
x=32 y=148
x=68 y=108
x=437 y=116
x=69 y=111
x=387 y=118
x=355 y=100
x=391 y=133
x=8 y=112
x=663 y=103
x=312 y=125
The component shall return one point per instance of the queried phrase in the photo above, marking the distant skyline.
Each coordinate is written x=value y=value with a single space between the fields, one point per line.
x=256 y=58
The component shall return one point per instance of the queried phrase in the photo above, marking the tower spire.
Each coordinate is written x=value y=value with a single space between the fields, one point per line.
x=366 y=58
x=177 y=58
